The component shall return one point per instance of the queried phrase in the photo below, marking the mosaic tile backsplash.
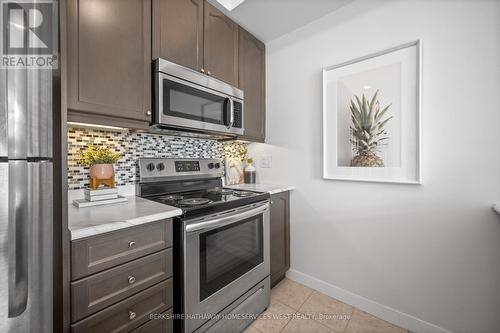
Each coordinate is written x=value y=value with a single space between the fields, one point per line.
x=133 y=145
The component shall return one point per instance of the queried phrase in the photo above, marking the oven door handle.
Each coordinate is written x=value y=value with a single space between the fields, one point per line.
x=223 y=221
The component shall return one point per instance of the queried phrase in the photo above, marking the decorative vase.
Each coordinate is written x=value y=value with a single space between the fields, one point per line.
x=250 y=174
x=102 y=171
x=102 y=174
x=368 y=159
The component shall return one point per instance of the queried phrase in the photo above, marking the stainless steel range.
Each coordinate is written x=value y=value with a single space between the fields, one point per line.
x=221 y=245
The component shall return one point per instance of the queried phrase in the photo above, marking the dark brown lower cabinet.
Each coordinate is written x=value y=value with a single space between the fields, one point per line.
x=122 y=281
x=129 y=314
x=280 y=236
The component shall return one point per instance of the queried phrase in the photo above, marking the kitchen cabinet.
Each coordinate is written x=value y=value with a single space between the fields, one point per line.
x=178 y=32
x=279 y=236
x=111 y=45
x=221 y=45
x=195 y=34
x=109 y=62
x=252 y=80
x=122 y=277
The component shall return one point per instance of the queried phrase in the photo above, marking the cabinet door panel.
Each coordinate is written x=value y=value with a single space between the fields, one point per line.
x=280 y=236
x=221 y=45
x=109 y=58
x=252 y=80
x=178 y=31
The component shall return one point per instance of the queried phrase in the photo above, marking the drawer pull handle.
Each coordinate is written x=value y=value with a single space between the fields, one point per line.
x=131 y=280
x=132 y=315
x=131 y=244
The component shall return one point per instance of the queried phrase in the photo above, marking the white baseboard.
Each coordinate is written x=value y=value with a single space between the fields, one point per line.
x=391 y=315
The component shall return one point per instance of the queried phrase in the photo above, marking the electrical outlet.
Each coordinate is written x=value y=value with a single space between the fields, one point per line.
x=266 y=161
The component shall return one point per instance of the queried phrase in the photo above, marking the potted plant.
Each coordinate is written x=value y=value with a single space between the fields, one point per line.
x=368 y=131
x=101 y=161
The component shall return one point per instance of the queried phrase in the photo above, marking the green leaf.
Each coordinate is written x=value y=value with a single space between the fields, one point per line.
x=382 y=124
x=381 y=114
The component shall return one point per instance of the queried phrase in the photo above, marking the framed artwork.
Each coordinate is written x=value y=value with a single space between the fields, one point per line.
x=372 y=118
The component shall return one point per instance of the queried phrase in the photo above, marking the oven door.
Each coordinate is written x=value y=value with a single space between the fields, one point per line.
x=224 y=258
x=182 y=104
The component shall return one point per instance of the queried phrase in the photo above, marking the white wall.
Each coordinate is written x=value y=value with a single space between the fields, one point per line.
x=433 y=251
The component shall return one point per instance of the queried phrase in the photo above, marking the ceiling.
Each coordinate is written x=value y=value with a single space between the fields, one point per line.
x=270 y=19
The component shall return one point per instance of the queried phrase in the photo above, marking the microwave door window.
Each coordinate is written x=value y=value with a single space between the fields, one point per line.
x=190 y=103
x=229 y=252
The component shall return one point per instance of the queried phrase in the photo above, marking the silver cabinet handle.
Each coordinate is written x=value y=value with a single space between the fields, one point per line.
x=202 y=70
x=131 y=244
x=209 y=73
x=132 y=315
x=148 y=113
x=18 y=238
x=131 y=280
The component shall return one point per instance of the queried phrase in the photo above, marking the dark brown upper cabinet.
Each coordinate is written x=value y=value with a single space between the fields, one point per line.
x=109 y=62
x=195 y=34
x=178 y=32
x=221 y=45
x=252 y=80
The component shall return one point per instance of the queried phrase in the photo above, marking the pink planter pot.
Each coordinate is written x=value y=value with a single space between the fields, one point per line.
x=102 y=171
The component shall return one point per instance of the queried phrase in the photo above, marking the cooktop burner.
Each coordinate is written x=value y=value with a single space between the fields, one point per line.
x=223 y=191
x=194 y=202
x=205 y=197
x=243 y=194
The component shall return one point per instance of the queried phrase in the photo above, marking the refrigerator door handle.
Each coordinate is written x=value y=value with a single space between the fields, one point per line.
x=18 y=238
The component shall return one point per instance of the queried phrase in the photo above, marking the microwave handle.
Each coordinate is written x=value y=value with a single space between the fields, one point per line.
x=231 y=102
x=228 y=112
x=220 y=222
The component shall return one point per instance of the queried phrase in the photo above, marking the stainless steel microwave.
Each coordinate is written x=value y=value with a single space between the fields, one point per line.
x=191 y=101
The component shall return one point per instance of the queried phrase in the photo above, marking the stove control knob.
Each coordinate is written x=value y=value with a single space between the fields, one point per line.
x=150 y=166
x=210 y=165
x=160 y=166
x=217 y=165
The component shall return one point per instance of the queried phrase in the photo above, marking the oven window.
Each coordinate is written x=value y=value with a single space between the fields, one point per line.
x=186 y=102
x=229 y=252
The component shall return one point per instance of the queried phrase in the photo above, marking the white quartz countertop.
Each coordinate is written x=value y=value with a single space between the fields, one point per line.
x=272 y=189
x=496 y=208
x=90 y=221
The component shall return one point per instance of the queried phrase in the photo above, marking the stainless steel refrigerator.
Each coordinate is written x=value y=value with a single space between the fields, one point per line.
x=26 y=200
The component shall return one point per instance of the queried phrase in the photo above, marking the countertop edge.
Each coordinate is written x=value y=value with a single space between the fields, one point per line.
x=80 y=232
x=269 y=188
x=284 y=189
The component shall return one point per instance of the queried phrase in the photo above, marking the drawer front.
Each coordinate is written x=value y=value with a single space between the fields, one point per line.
x=103 y=289
x=130 y=313
x=92 y=255
x=162 y=324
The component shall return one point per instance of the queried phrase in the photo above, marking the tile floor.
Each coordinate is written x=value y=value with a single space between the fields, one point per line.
x=296 y=308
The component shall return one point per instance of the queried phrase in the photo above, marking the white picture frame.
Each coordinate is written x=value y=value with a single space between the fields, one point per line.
x=396 y=74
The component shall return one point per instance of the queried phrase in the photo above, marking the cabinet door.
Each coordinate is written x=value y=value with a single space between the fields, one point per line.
x=221 y=45
x=252 y=80
x=109 y=59
x=280 y=236
x=178 y=31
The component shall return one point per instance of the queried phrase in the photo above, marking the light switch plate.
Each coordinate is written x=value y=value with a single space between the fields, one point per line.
x=266 y=161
